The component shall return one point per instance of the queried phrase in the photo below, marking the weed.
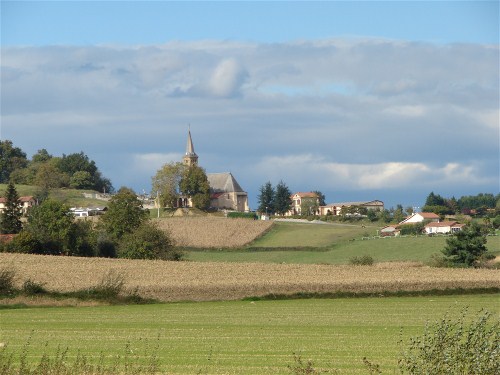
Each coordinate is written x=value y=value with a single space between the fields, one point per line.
x=452 y=347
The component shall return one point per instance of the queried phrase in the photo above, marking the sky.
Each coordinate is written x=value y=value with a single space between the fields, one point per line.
x=360 y=100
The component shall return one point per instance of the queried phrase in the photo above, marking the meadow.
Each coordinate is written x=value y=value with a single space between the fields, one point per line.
x=238 y=337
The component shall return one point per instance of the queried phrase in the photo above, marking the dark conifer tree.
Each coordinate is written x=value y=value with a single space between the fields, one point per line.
x=11 y=216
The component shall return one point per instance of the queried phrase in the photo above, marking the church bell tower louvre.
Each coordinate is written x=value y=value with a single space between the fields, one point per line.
x=190 y=158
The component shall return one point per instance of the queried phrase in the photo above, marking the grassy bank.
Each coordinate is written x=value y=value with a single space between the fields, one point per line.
x=238 y=337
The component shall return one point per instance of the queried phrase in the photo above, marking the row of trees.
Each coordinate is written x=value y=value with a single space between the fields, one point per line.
x=125 y=231
x=176 y=180
x=274 y=200
x=477 y=205
x=47 y=171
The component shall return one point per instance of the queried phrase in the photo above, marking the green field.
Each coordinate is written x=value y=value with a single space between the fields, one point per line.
x=329 y=244
x=239 y=337
x=71 y=197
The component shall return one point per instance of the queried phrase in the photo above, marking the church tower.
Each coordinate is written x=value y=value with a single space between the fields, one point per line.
x=190 y=158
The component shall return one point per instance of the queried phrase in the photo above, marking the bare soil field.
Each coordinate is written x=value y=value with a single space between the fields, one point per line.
x=213 y=232
x=189 y=281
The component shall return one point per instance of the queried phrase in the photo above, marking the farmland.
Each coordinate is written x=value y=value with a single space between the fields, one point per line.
x=213 y=232
x=239 y=337
x=194 y=281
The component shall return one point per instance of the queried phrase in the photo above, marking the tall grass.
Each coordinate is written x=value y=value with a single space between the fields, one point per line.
x=61 y=363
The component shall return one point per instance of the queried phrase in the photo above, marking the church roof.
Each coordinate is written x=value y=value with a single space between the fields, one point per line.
x=223 y=183
x=189 y=145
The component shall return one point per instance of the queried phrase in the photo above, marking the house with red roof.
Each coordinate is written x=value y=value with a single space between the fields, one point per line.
x=419 y=217
x=302 y=202
x=24 y=203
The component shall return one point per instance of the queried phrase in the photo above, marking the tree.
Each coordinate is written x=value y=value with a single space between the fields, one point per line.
x=266 y=198
x=165 y=183
x=371 y=215
x=50 y=224
x=11 y=158
x=194 y=184
x=125 y=214
x=148 y=242
x=49 y=176
x=41 y=156
x=81 y=180
x=398 y=214
x=282 y=199
x=10 y=222
x=79 y=162
x=466 y=246
x=321 y=198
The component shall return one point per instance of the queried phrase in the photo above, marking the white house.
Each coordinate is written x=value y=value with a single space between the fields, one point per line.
x=419 y=217
x=335 y=208
x=443 y=227
x=24 y=204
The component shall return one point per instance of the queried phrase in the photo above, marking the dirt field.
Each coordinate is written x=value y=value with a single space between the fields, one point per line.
x=211 y=232
x=189 y=281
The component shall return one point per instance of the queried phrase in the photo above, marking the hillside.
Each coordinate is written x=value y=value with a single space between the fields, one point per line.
x=71 y=197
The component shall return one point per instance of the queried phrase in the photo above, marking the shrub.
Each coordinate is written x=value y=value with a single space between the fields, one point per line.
x=364 y=260
x=31 y=287
x=7 y=277
x=148 y=242
x=110 y=286
x=453 y=347
x=25 y=242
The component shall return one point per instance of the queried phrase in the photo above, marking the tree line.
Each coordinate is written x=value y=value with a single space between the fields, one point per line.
x=125 y=231
x=476 y=205
x=46 y=171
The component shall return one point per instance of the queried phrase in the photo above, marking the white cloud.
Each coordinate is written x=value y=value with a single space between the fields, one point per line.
x=359 y=113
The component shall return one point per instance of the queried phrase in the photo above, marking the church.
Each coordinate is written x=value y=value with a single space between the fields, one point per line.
x=225 y=192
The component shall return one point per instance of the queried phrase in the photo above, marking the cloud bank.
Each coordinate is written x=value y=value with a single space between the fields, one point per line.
x=338 y=115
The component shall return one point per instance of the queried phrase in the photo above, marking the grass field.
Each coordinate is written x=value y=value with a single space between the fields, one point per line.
x=330 y=244
x=239 y=337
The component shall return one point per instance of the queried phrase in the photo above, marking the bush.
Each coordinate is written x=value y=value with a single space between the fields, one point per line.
x=25 y=242
x=31 y=287
x=7 y=277
x=364 y=260
x=452 y=347
x=110 y=286
x=148 y=242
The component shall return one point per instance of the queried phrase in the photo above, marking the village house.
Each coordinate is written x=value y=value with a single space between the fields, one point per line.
x=302 y=202
x=444 y=227
x=24 y=204
x=419 y=217
x=335 y=208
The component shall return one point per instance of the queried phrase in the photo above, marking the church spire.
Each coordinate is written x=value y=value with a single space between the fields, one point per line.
x=190 y=158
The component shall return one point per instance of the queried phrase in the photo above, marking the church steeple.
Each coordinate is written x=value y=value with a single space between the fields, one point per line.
x=190 y=158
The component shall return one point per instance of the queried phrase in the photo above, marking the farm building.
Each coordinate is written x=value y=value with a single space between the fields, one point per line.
x=335 y=208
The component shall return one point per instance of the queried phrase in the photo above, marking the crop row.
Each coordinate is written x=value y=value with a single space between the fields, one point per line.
x=182 y=281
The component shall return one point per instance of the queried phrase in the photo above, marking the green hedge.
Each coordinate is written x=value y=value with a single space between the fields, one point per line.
x=244 y=215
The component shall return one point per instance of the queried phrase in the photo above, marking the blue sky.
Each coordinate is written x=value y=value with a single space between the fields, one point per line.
x=142 y=22
x=361 y=100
